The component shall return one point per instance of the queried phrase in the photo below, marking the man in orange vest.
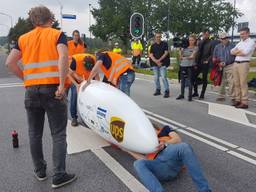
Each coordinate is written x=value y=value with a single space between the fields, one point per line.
x=45 y=67
x=76 y=45
x=81 y=67
x=117 y=69
x=168 y=160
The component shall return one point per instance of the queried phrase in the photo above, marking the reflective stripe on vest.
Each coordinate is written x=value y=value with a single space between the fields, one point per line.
x=41 y=64
x=119 y=68
x=40 y=56
x=41 y=75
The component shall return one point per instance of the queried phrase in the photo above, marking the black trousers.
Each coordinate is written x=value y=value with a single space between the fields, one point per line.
x=136 y=60
x=40 y=100
x=186 y=79
x=203 y=68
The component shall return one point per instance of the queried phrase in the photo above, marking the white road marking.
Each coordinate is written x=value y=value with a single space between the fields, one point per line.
x=81 y=139
x=9 y=85
x=164 y=118
x=213 y=141
x=189 y=128
x=247 y=151
x=229 y=113
x=192 y=135
x=129 y=180
x=243 y=157
x=212 y=137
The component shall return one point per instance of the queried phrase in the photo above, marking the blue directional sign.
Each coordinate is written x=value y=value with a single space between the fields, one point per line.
x=68 y=16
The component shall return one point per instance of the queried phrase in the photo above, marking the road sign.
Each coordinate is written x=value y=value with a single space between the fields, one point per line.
x=68 y=16
x=242 y=25
x=137 y=25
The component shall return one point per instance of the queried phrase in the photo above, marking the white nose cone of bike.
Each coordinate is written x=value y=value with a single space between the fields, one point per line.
x=116 y=117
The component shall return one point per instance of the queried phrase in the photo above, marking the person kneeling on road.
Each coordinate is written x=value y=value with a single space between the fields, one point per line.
x=80 y=69
x=166 y=163
x=117 y=69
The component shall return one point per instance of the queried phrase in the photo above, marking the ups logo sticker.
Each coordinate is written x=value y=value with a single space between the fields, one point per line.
x=117 y=128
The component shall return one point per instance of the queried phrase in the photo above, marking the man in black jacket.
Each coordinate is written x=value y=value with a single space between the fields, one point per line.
x=203 y=59
x=160 y=60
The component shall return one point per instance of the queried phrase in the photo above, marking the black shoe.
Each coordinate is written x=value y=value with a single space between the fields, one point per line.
x=189 y=98
x=180 y=97
x=74 y=122
x=64 y=180
x=195 y=95
x=166 y=94
x=40 y=175
x=158 y=92
x=201 y=97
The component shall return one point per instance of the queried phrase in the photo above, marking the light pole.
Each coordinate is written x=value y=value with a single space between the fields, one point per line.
x=90 y=20
x=1 y=13
x=233 y=25
x=61 y=8
x=168 y=21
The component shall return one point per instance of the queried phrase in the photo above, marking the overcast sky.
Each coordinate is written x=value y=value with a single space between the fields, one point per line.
x=19 y=8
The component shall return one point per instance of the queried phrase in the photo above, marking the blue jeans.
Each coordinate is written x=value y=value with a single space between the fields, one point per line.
x=125 y=82
x=163 y=72
x=167 y=165
x=73 y=102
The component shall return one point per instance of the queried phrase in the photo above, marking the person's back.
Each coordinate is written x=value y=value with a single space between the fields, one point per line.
x=40 y=66
x=44 y=57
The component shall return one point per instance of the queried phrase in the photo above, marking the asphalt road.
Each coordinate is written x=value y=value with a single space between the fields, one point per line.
x=216 y=141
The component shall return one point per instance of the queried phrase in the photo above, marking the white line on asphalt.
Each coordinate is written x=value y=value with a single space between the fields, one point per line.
x=81 y=139
x=192 y=129
x=212 y=137
x=8 y=85
x=129 y=180
x=192 y=135
x=229 y=113
x=204 y=140
x=240 y=156
x=247 y=151
x=163 y=121
x=164 y=118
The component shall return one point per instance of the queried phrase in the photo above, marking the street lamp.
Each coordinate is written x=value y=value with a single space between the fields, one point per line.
x=90 y=20
x=1 y=13
x=61 y=8
x=233 y=25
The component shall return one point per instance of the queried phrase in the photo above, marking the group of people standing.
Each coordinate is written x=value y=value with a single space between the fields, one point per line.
x=231 y=64
x=51 y=66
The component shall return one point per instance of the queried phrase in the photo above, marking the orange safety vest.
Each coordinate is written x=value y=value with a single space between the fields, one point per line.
x=119 y=65
x=72 y=49
x=152 y=156
x=80 y=69
x=40 y=56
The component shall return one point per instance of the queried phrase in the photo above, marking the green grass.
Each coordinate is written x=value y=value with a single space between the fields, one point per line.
x=253 y=63
x=171 y=73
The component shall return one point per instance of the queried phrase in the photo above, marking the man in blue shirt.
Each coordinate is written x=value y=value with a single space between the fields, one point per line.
x=223 y=58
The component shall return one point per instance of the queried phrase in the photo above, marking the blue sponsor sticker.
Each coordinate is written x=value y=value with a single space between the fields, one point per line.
x=101 y=112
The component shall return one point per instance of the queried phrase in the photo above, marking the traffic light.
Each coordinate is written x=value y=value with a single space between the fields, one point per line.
x=137 y=25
